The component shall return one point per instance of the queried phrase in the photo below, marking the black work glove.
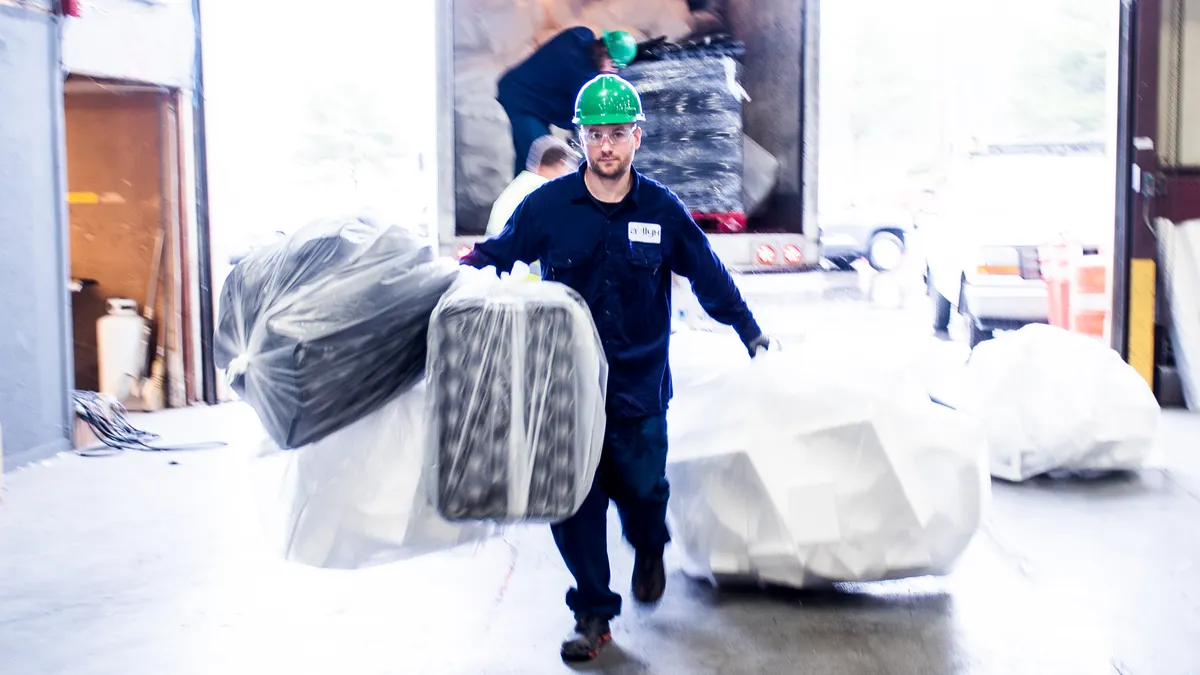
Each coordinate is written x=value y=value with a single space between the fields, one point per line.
x=760 y=342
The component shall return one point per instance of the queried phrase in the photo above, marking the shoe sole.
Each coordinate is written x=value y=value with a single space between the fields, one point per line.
x=590 y=656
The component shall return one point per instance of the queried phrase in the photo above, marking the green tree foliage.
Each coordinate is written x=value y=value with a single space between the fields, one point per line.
x=350 y=133
x=1062 y=69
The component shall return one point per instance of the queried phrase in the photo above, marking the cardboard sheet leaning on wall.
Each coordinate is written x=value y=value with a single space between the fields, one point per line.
x=760 y=173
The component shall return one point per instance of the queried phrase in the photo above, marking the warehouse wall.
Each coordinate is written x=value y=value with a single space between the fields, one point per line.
x=34 y=301
x=1190 y=87
x=142 y=40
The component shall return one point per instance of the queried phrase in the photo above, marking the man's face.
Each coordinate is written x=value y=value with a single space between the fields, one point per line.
x=610 y=148
x=607 y=65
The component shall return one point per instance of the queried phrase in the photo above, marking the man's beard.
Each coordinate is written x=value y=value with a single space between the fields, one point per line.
x=610 y=174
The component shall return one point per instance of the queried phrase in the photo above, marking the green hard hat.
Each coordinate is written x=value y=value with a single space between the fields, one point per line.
x=607 y=99
x=621 y=47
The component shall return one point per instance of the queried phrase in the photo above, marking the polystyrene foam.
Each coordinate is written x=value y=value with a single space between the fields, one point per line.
x=812 y=465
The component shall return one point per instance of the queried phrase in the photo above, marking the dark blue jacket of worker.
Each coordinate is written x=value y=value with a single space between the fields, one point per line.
x=545 y=84
x=620 y=257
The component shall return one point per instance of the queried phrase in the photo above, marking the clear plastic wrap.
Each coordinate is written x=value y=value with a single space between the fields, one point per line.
x=1055 y=400
x=517 y=379
x=357 y=498
x=693 y=140
x=816 y=464
x=326 y=326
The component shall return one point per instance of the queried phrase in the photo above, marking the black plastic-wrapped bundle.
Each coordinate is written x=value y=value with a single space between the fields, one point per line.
x=709 y=46
x=326 y=326
x=693 y=128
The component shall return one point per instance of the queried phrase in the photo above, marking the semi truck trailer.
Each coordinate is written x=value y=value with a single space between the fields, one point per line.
x=775 y=68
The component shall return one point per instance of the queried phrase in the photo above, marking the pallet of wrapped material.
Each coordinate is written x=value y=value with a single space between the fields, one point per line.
x=1055 y=400
x=693 y=139
x=808 y=466
x=357 y=497
x=517 y=379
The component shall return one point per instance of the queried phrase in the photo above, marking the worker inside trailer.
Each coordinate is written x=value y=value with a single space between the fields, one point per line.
x=616 y=237
x=549 y=158
x=540 y=91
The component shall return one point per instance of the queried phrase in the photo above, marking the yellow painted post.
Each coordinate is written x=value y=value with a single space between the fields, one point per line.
x=1143 y=275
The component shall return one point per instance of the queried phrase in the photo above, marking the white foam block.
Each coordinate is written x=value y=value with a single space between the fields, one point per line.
x=817 y=464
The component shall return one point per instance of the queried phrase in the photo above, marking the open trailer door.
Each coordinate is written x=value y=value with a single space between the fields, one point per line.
x=736 y=68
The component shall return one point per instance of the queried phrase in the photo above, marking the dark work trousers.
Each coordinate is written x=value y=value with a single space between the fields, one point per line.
x=633 y=474
x=525 y=130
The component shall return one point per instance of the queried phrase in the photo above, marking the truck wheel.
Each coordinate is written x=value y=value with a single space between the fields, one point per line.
x=885 y=251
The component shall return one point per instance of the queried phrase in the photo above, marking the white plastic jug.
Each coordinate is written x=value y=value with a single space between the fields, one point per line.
x=120 y=346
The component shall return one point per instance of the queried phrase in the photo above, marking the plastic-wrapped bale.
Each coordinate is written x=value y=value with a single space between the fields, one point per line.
x=357 y=497
x=324 y=327
x=693 y=129
x=803 y=468
x=1055 y=400
x=517 y=379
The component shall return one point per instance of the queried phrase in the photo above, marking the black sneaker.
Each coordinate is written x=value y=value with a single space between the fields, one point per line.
x=649 y=578
x=591 y=633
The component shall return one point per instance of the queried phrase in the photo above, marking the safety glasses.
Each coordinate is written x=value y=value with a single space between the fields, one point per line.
x=618 y=136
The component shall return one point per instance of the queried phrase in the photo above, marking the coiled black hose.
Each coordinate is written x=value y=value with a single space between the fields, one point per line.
x=107 y=419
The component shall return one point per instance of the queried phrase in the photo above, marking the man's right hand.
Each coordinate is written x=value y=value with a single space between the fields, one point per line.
x=762 y=342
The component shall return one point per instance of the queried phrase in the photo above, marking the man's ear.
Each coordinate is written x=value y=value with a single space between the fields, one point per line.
x=637 y=138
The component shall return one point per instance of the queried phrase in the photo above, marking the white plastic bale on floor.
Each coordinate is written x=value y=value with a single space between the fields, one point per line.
x=358 y=497
x=814 y=464
x=1055 y=400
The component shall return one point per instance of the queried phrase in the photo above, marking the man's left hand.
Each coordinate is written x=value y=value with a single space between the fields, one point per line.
x=762 y=342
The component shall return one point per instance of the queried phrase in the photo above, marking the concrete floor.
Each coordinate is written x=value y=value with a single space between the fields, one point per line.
x=144 y=564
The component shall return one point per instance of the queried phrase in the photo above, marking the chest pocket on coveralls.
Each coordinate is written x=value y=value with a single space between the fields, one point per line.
x=560 y=265
x=645 y=257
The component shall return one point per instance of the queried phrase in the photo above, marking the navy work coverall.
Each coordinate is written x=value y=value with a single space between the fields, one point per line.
x=620 y=257
x=541 y=90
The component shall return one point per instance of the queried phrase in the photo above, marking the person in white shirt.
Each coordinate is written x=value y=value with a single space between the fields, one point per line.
x=549 y=158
